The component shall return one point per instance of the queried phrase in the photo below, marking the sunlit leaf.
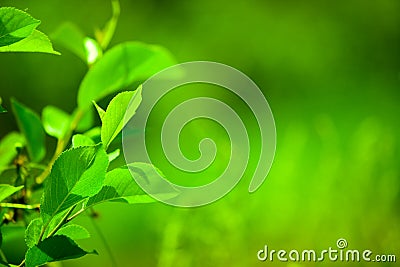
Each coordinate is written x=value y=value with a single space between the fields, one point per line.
x=7 y=190
x=81 y=140
x=119 y=186
x=74 y=231
x=100 y=111
x=15 y=25
x=56 y=122
x=36 y=42
x=55 y=248
x=119 y=68
x=78 y=173
x=114 y=119
x=31 y=127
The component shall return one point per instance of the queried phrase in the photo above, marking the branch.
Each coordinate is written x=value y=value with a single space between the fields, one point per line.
x=20 y=206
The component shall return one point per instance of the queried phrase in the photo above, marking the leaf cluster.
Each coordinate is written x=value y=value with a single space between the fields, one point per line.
x=45 y=194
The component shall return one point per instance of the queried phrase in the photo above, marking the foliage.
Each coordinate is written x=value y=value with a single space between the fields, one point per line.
x=78 y=176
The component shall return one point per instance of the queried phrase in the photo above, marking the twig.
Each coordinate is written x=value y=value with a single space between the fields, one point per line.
x=103 y=239
x=22 y=263
x=60 y=224
x=75 y=215
x=20 y=206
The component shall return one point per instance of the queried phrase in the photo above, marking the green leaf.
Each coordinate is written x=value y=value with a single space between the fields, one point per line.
x=7 y=190
x=15 y=25
x=115 y=119
x=100 y=111
x=119 y=186
x=119 y=68
x=36 y=42
x=55 y=222
x=74 y=231
x=55 y=248
x=33 y=231
x=78 y=173
x=81 y=140
x=56 y=122
x=8 y=147
x=70 y=36
x=31 y=127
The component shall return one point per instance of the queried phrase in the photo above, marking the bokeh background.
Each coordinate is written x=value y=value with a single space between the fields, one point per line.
x=330 y=71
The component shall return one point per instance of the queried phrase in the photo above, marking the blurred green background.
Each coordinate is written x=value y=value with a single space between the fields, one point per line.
x=330 y=71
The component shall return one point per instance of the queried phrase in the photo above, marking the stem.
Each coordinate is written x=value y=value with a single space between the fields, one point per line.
x=22 y=263
x=75 y=215
x=20 y=206
x=103 y=239
x=108 y=32
x=37 y=166
x=61 y=223
x=61 y=144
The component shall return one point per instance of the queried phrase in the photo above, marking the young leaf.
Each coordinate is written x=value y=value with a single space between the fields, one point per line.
x=15 y=25
x=55 y=121
x=100 y=111
x=81 y=140
x=114 y=119
x=71 y=37
x=36 y=42
x=119 y=186
x=121 y=66
x=30 y=125
x=74 y=231
x=55 y=248
x=78 y=173
x=8 y=147
x=32 y=232
x=7 y=190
